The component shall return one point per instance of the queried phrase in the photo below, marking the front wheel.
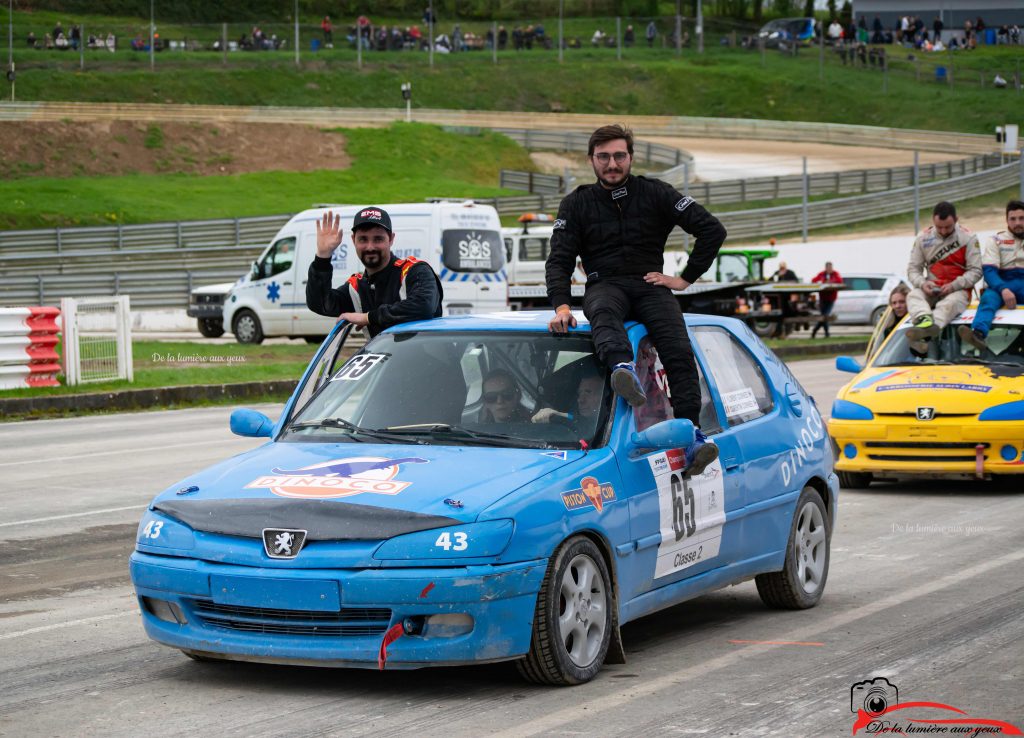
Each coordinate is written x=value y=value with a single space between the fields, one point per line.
x=802 y=580
x=854 y=480
x=572 y=622
x=210 y=327
x=247 y=328
x=877 y=314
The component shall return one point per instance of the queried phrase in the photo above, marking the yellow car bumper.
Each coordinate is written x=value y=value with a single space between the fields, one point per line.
x=901 y=446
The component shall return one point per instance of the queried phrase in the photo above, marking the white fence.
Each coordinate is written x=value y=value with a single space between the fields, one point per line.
x=97 y=343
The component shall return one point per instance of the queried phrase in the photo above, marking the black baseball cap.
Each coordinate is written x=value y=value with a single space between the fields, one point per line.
x=372 y=216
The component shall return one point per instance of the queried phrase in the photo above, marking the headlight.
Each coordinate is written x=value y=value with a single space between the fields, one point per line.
x=1006 y=411
x=160 y=531
x=470 y=541
x=846 y=410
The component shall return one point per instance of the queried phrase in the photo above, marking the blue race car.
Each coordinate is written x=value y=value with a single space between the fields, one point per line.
x=468 y=490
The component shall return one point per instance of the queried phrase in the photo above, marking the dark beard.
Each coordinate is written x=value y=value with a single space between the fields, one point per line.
x=372 y=260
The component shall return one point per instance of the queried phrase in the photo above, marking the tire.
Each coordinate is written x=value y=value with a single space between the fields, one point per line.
x=246 y=327
x=550 y=660
x=854 y=480
x=314 y=339
x=211 y=327
x=765 y=328
x=877 y=313
x=802 y=580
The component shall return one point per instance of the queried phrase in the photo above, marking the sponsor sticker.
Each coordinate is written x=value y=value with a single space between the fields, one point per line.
x=684 y=203
x=337 y=478
x=739 y=402
x=619 y=193
x=591 y=493
x=935 y=385
x=559 y=224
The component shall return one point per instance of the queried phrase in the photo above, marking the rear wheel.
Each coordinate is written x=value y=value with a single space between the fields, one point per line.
x=247 y=328
x=211 y=327
x=572 y=622
x=802 y=580
x=854 y=480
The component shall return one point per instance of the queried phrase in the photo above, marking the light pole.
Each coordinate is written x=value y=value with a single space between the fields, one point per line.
x=430 y=22
x=297 y=63
x=700 y=27
x=10 y=46
x=152 y=33
x=679 y=30
x=561 y=42
x=407 y=94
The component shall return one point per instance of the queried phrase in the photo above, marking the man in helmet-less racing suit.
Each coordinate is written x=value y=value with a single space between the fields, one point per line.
x=945 y=263
x=618 y=227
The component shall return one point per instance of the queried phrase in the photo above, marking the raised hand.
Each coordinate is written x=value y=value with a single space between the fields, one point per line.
x=328 y=234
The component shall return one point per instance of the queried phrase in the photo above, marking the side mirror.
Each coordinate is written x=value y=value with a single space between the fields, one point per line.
x=848 y=364
x=251 y=424
x=676 y=433
x=254 y=271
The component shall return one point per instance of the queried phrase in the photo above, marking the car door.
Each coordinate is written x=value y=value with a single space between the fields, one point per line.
x=273 y=285
x=776 y=429
x=678 y=525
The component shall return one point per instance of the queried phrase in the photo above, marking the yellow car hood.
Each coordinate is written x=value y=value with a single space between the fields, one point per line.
x=960 y=389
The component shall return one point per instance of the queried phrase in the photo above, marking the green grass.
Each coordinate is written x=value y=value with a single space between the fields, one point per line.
x=173 y=364
x=845 y=338
x=404 y=163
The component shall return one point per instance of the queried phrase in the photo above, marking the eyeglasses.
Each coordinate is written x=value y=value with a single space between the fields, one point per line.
x=604 y=157
x=492 y=397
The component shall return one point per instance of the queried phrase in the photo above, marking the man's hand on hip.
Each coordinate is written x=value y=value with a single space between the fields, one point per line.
x=1009 y=299
x=664 y=280
x=563 y=320
x=328 y=234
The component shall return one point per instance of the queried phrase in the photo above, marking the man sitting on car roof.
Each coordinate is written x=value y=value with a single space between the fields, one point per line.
x=1003 y=264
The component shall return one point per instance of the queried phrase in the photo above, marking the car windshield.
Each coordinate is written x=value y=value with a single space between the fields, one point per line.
x=1005 y=349
x=503 y=388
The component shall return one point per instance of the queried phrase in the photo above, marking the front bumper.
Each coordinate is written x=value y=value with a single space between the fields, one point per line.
x=203 y=310
x=338 y=617
x=906 y=446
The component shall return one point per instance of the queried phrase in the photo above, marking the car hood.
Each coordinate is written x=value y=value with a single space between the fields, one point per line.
x=960 y=389
x=354 y=491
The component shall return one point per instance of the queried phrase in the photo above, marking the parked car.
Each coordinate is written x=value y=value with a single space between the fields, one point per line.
x=865 y=297
x=784 y=31
x=396 y=518
x=956 y=412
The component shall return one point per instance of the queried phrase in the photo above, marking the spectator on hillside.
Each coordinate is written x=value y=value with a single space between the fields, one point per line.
x=31 y=40
x=58 y=30
x=328 y=29
x=651 y=33
x=528 y=36
x=598 y=38
x=111 y=42
x=47 y=41
x=517 y=38
x=826 y=296
x=835 y=32
x=937 y=26
x=502 y=38
x=75 y=39
x=458 y=41
x=628 y=37
x=61 y=42
x=877 y=28
x=429 y=17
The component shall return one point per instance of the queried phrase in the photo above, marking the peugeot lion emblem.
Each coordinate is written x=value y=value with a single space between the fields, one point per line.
x=283 y=544
x=925 y=413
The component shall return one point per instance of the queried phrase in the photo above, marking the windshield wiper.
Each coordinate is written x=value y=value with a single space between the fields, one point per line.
x=355 y=430
x=457 y=431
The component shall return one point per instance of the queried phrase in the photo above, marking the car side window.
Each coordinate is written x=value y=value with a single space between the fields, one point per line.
x=659 y=402
x=329 y=361
x=278 y=259
x=533 y=249
x=877 y=283
x=858 y=284
x=744 y=391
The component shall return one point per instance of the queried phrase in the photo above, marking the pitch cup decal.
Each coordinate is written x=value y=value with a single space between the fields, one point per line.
x=338 y=478
x=591 y=493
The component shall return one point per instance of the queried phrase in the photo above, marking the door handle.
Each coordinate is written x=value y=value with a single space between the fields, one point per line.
x=732 y=463
x=285 y=284
x=796 y=404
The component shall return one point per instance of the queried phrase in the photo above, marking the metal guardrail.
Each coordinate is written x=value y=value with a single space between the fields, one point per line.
x=163 y=277
x=546 y=184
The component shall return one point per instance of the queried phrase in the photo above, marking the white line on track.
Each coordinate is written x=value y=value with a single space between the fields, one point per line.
x=68 y=624
x=602 y=703
x=72 y=515
x=119 y=452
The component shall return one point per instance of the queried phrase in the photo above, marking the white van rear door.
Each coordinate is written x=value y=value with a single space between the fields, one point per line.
x=472 y=261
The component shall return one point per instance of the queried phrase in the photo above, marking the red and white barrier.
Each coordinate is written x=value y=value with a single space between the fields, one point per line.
x=28 y=347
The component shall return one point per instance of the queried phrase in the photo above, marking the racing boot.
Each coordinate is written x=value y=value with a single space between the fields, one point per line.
x=699 y=454
x=973 y=337
x=627 y=385
x=923 y=330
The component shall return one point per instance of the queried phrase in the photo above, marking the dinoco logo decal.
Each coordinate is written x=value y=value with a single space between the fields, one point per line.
x=591 y=493
x=338 y=478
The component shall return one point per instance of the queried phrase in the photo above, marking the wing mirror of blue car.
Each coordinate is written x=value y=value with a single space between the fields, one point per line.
x=848 y=364
x=251 y=424
x=676 y=433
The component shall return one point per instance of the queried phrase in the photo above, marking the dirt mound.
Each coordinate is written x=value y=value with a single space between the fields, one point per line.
x=70 y=149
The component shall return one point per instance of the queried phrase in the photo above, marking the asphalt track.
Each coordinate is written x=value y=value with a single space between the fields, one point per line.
x=925 y=589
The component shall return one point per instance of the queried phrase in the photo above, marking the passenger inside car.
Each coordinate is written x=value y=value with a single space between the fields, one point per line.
x=502 y=399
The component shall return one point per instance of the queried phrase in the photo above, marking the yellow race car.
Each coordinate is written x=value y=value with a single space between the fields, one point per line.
x=956 y=412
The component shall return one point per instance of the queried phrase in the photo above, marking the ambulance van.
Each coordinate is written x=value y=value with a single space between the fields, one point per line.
x=461 y=240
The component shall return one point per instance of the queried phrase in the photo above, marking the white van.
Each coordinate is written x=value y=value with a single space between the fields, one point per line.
x=460 y=240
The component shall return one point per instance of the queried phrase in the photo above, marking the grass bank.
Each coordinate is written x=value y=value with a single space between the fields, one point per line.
x=403 y=163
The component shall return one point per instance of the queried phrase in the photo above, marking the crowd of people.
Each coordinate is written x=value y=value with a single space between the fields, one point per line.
x=70 y=41
x=911 y=31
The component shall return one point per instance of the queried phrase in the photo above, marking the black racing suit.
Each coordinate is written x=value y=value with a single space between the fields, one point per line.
x=403 y=291
x=620 y=236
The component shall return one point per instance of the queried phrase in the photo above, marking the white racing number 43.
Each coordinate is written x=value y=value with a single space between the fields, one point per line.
x=457 y=541
x=152 y=529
